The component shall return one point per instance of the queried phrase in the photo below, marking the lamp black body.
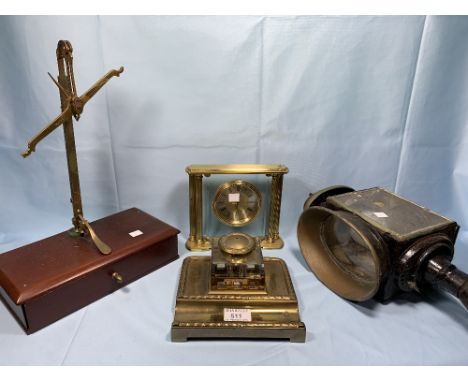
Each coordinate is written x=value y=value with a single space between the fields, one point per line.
x=374 y=244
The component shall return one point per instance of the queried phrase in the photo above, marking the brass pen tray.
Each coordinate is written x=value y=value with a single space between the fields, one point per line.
x=201 y=312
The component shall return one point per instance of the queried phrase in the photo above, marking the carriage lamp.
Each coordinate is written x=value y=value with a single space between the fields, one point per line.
x=375 y=244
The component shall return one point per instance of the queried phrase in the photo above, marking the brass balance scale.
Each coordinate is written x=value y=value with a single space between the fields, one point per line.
x=72 y=106
x=51 y=278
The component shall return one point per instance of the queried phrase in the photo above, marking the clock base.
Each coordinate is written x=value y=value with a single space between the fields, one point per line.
x=205 y=244
x=198 y=245
x=269 y=243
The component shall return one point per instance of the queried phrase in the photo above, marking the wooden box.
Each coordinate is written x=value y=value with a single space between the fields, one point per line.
x=51 y=278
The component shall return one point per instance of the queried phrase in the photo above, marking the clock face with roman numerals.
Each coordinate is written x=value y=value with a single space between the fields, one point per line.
x=237 y=203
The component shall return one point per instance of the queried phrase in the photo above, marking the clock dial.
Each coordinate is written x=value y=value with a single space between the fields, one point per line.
x=237 y=203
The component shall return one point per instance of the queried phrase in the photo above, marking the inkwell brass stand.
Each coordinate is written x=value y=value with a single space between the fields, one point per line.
x=236 y=293
x=47 y=280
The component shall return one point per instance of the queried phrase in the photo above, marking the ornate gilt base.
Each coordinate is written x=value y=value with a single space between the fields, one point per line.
x=205 y=244
x=199 y=313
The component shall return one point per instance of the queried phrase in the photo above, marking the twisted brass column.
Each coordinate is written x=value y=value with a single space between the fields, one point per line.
x=272 y=239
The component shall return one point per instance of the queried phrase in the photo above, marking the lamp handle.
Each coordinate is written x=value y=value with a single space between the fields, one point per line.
x=442 y=274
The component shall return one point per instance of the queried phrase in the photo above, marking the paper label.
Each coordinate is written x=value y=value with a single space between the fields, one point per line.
x=381 y=214
x=136 y=233
x=234 y=198
x=231 y=314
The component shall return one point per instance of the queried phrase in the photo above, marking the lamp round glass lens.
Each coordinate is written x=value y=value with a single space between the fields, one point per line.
x=348 y=250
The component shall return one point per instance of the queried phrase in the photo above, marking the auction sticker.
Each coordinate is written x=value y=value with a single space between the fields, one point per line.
x=381 y=214
x=231 y=314
x=234 y=198
x=135 y=233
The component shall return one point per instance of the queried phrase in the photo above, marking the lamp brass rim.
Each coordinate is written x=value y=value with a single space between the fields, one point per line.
x=319 y=257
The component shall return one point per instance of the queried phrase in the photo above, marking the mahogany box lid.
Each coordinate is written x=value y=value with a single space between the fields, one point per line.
x=38 y=268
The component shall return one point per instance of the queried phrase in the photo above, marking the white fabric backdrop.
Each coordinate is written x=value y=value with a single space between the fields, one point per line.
x=361 y=101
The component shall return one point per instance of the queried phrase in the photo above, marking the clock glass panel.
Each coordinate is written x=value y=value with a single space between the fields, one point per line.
x=236 y=203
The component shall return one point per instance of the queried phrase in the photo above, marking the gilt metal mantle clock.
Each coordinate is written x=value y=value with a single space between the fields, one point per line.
x=235 y=198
